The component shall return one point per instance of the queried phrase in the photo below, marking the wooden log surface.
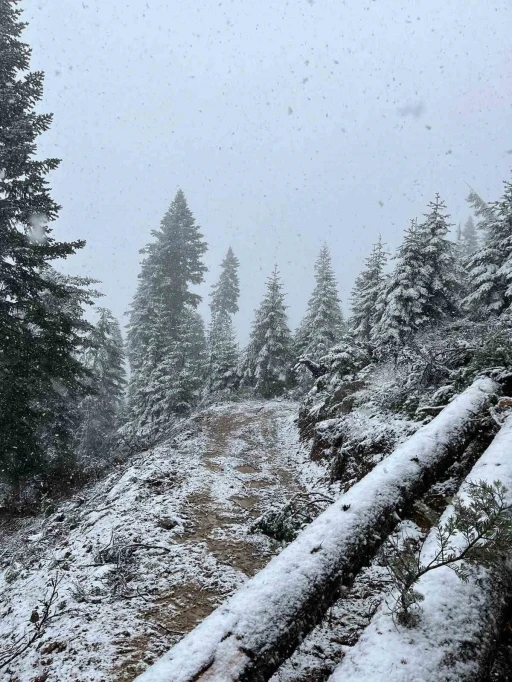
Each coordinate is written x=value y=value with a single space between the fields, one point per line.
x=459 y=622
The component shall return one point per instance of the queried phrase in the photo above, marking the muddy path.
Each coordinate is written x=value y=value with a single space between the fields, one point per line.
x=144 y=555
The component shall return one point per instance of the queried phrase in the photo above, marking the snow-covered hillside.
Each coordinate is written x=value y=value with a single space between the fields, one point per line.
x=140 y=557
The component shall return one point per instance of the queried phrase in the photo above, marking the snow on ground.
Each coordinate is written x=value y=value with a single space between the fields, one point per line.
x=147 y=553
x=325 y=647
x=456 y=626
x=250 y=625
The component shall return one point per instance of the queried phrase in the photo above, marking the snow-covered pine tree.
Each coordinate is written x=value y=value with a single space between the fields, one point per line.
x=481 y=208
x=57 y=435
x=226 y=292
x=468 y=242
x=440 y=267
x=403 y=303
x=467 y=245
x=490 y=268
x=367 y=292
x=100 y=412
x=269 y=355
x=223 y=356
x=190 y=360
x=165 y=335
x=423 y=290
x=323 y=323
x=39 y=343
x=222 y=346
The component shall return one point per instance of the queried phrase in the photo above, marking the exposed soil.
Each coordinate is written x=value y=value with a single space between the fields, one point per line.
x=145 y=554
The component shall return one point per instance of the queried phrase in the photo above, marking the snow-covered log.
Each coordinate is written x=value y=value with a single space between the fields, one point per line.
x=248 y=636
x=459 y=621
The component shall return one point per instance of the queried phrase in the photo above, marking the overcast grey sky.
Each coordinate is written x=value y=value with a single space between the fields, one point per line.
x=285 y=123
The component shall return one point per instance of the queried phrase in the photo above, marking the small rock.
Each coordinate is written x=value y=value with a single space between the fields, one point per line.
x=167 y=523
x=41 y=678
x=57 y=647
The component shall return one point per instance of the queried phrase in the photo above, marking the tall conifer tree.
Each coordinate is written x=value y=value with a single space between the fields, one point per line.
x=40 y=339
x=323 y=323
x=490 y=268
x=404 y=299
x=100 y=412
x=366 y=294
x=468 y=243
x=424 y=288
x=222 y=347
x=166 y=336
x=440 y=270
x=267 y=360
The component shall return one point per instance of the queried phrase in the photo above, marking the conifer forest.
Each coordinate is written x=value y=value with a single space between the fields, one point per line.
x=256 y=371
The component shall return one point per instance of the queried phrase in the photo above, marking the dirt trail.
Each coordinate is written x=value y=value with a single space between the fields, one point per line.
x=180 y=514
x=247 y=447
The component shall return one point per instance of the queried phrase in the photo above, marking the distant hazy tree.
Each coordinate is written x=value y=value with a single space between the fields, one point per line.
x=223 y=354
x=468 y=242
x=99 y=412
x=222 y=346
x=226 y=291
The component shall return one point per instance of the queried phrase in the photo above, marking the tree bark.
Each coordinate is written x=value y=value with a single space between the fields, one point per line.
x=253 y=632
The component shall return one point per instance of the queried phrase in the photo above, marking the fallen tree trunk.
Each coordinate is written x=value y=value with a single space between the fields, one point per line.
x=459 y=621
x=250 y=635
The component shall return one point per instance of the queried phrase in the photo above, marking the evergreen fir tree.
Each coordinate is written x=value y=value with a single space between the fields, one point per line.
x=191 y=354
x=166 y=336
x=57 y=434
x=225 y=293
x=424 y=287
x=490 y=268
x=222 y=347
x=323 y=323
x=440 y=268
x=468 y=242
x=269 y=354
x=481 y=208
x=39 y=341
x=223 y=353
x=366 y=294
x=101 y=410
x=404 y=300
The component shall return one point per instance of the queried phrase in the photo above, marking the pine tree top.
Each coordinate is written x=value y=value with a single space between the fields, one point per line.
x=226 y=291
x=271 y=314
x=323 y=322
x=181 y=243
x=468 y=239
x=367 y=291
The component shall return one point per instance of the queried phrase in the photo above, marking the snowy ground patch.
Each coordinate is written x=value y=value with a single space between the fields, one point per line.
x=145 y=554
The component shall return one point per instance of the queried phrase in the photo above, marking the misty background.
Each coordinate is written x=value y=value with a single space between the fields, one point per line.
x=285 y=123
